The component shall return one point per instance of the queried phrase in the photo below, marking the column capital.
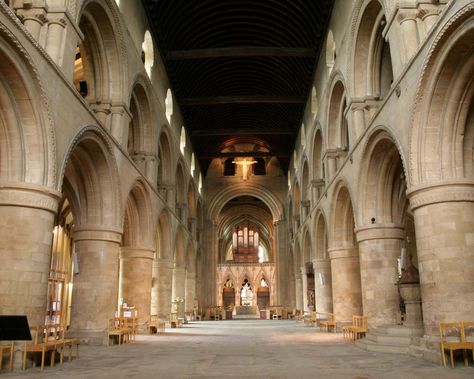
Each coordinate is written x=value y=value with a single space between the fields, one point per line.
x=97 y=233
x=406 y=14
x=131 y=252
x=341 y=252
x=441 y=192
x=380 y=231
x=29 y=196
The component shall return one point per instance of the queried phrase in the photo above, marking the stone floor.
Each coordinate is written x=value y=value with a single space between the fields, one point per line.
x=243 y=349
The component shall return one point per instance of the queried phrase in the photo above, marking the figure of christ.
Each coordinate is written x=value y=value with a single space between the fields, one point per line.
x=245 y=166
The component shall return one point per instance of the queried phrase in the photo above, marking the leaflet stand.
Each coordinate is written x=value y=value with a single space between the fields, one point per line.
x=14 y=328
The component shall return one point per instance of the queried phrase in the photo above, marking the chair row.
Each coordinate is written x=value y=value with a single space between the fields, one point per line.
x=456 y=336
x=325 y=320
x=357 y=329
x=47 y=338
x=124 y=328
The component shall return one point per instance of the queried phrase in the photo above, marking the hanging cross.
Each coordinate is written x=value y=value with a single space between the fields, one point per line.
x=245 y=166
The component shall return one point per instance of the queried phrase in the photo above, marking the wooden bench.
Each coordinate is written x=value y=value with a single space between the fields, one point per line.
x=118 y=328
x=310 y=319
x=357 y=329
x=7 y=348
x=156 y=325
x=330 y=322
x=41 y=343
x=452 y=337
x=67 y=342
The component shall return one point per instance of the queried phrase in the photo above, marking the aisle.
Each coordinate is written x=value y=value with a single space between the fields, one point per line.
x=242 y=349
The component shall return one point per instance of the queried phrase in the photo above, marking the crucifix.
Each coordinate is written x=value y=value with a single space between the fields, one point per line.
x=245 y=166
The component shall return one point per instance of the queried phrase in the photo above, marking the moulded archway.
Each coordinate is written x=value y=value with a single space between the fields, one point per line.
x=344 y=255
x=441 y=188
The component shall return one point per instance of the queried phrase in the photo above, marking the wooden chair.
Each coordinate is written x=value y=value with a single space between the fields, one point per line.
x=310 y=319
x=357 y=329
x=452 y=337
x=7 y=348
x=68 y=342
x=469 y=335
x=155 y=325
x=330 y=322
x=41 y=344
x=130 y=326
x=277 y=314
x=116 y=329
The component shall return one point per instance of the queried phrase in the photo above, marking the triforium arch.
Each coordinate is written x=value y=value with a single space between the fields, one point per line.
x=322 y=264
x=441 y=190
x=91 y=185
x=371 y=58
x=344 y=255
x=380 y=232
x=306 y=187
x=165 y=158
x=101 y=53
x=337 y=129
x=142 y=138
x=138 y=251
x=181 y=192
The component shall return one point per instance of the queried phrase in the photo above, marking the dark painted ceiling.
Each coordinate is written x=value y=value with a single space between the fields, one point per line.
x=240 y=70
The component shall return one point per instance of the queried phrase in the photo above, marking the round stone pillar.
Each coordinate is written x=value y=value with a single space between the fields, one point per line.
x=304 y=288
x=179 y=283
x=190 y=291
x=95 y=287
x=136 y=274
x=161 y=290
x=54 y=39
x=346 y=290
x=407 y=20
x=27 y=214
x=323 y=287
x=444 y=226
x=379 y=248
x=299 y=291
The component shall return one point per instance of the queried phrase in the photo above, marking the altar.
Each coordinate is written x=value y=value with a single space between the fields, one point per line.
x=245 y=311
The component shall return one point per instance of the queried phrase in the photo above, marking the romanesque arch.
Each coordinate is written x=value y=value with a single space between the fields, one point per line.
x=344 y=256
x=138 y=251
x=164 y=159
x=322 y=266
x=380 y=233
x=91 y=185
x=441 y=189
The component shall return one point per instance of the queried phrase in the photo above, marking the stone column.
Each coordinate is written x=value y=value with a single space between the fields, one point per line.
x=190 y=293
x=407 y=20
x=27 y=214
x=379 y=248
x=444 y=226
x=119 y=123
x=299 y=291
x=323 y=287
x=179 y=283
x=54 y=39
x=358 y=119
x=95 y=288
x=304 y=288
x=317 y=188
x=136 y=280
x=346 y=289
x=151 y=168
x=281 y=291
x=161 y=290
x=102 y=112
x=33 y=19
x=331 y=156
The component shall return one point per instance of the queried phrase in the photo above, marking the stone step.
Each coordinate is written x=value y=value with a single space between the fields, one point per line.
x=389 y=339
x=397 y=330
x=381 y=348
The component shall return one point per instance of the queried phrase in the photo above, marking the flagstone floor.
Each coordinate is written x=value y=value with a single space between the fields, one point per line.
x=242 y=349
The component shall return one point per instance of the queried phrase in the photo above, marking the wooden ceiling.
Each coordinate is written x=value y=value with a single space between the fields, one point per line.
x=240 y=70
